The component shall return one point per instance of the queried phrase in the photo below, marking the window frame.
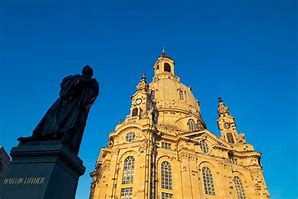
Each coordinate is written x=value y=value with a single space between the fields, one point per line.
x=167 y=67
x=134 y=112
x=232 y=159
x=239 y=187
x=204 y=146
x=130 y=136
x=128 y=170
x=166 y=145
x=125 y=191
x=208 y=181
x=191 y=125
x=165 y=195
x=166 y=175
x=181 y=95
x=230 y=138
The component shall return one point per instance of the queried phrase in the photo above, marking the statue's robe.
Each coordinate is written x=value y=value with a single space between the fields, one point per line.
x=66 y=118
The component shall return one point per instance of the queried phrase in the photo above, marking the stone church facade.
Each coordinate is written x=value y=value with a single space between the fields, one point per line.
x=163 y=149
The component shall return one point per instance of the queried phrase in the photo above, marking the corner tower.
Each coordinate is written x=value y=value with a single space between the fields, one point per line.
x=139 y=98
x=227 y=126
x=163 y=149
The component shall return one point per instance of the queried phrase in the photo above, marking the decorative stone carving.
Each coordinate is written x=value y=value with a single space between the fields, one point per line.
x=187 y=155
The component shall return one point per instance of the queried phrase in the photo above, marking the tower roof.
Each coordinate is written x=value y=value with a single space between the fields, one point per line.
x=142 y=85
x=222 y=108
x=164 y=55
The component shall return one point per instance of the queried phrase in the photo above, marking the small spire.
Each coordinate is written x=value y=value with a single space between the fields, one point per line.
x=222 y=108
x=143 y=76
x=142 y=85
x=163 y=54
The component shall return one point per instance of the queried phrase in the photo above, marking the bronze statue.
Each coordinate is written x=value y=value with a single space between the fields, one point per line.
x=66 y=118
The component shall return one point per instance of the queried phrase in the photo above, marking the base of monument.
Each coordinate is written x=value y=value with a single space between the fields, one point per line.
x=41 y=170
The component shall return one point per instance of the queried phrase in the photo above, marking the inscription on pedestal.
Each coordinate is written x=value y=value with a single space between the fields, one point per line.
x=41 y=170
x=18 y=181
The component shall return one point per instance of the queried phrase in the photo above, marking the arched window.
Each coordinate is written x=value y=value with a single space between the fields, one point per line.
x=166 y=175
x=167 y=67
x=128 y=170
x=204 y=147
x=239 y=188
x=208 y=181
x=181 y=95
x=231 y=157
x=157 y=67
x=230 y=138
x=134 y=112
x=191 y=125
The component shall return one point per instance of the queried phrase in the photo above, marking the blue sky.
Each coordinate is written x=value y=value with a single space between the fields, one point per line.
x=242 y=50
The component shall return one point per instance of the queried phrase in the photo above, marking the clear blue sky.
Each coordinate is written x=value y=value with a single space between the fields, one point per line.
x=242 y=50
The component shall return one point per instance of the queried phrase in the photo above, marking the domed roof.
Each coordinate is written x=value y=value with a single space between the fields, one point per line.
x=172 y=94
x=177 y=107
x=164 y=55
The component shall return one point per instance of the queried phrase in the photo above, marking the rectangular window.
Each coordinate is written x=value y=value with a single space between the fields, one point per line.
x=181 y=95
x=165 y=145
x=166 y=195
x=126 y=193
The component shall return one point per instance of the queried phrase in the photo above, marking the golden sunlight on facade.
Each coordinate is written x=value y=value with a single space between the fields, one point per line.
x=163 y=149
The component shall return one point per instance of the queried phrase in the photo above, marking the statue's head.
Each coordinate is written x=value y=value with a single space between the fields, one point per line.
x=87 y=71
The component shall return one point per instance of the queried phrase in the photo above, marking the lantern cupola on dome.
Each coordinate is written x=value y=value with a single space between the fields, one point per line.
x=164 y=65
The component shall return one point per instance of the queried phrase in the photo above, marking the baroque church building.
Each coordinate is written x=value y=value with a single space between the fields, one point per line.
x=163 y=149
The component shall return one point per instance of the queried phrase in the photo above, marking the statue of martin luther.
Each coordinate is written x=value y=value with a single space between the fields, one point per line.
x=66 y=118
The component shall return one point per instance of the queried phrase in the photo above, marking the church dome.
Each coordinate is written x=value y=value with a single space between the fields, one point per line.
x=177 y=107
x=171 y=94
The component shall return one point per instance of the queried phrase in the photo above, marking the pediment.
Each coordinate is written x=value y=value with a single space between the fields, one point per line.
x=207 y=135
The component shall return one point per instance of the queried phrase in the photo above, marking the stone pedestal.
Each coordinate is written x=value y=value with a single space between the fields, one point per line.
x=41 y=170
